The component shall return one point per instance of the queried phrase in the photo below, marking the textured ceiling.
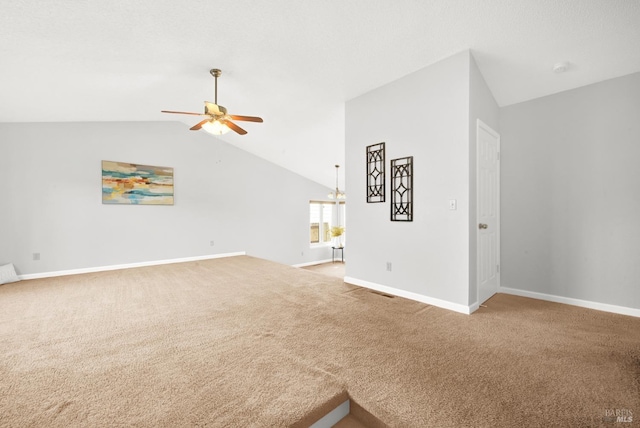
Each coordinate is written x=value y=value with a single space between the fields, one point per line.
x=292 y=62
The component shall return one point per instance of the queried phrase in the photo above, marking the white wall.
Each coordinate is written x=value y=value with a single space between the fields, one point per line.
x=571 y=193
x=424 y=115
x=51 y=174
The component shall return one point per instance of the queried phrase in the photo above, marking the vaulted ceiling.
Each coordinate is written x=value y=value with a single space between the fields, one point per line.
x=293 y=62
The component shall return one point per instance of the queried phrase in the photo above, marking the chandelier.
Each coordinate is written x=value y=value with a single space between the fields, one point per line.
x=338 y=194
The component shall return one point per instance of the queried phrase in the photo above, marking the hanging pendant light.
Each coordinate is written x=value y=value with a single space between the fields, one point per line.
x=338 y=194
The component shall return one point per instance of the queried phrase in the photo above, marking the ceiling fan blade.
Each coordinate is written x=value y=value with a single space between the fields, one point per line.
x=246 y=118
x=199 y=125
x=235 y=127
x=182 y=112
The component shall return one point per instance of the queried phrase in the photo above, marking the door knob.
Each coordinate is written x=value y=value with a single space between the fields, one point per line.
x=482 y=226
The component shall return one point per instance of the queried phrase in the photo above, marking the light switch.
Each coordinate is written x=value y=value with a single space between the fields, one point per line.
x=453 y=204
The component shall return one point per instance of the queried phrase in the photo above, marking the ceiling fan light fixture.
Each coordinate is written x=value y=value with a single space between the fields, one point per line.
x=218 y=122
x=216 y=127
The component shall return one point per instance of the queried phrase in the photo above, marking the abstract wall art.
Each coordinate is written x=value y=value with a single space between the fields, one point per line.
x=402 y=189
x=131 y=184
x=375 y=173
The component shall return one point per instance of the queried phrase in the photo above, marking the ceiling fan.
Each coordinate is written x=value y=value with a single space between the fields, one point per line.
x=218 y=122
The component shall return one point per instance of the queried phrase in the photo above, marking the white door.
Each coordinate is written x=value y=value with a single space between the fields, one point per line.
x=488 y=206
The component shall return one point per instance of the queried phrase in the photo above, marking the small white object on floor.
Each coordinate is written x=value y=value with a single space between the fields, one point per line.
x=8 y=274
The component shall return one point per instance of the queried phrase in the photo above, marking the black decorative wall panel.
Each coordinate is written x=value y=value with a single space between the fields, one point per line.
x=375 y=173
x=402 y=189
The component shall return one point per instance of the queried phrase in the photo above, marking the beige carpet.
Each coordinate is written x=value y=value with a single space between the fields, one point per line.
x=332 y=269
x=243 y=342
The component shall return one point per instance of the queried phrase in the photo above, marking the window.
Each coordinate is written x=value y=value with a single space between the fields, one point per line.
x=322 y=217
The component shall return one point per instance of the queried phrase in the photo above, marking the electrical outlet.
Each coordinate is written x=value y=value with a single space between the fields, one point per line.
x=389 y=266
x=211 y=243
x=36 y=256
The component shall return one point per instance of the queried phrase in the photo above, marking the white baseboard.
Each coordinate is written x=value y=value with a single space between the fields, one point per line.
x=334 y=416
x=318 y=262
x=127 y=266
x=412 y=296
x=474 y=307
x=623 y=310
